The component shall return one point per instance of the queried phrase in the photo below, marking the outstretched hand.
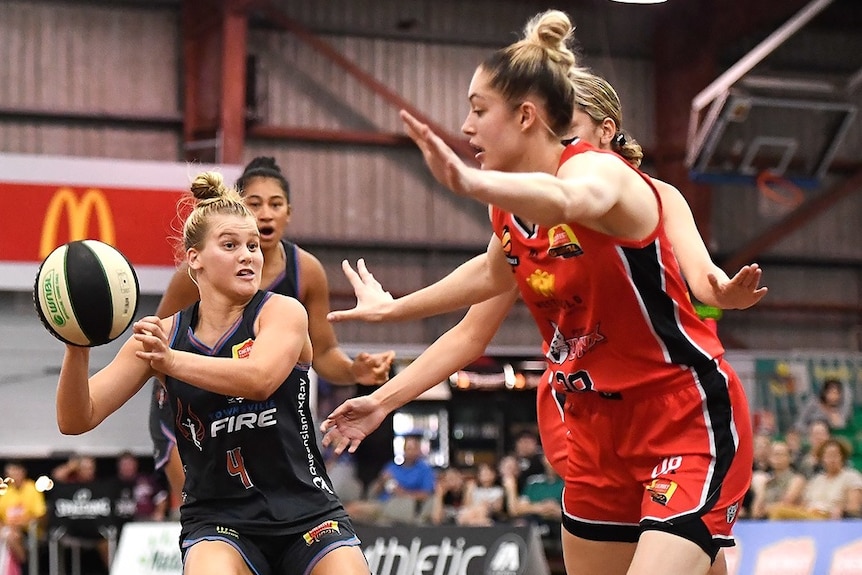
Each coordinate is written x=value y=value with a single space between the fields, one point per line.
x=351 y=422
x=444 y=163
x=741 y=291
x=372 y=368
x=371 y=299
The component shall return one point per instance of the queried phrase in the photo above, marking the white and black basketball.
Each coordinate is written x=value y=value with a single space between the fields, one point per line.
x=86 y=293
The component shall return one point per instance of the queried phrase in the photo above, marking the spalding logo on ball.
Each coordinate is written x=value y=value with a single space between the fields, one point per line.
x=86 y=293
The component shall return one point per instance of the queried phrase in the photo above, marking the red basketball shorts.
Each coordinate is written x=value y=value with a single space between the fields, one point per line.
x=676 y=460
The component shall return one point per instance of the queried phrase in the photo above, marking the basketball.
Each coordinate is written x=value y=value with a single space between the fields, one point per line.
x=86 y=293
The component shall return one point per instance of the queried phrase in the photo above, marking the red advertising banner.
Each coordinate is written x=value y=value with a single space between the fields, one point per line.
x=49 y=201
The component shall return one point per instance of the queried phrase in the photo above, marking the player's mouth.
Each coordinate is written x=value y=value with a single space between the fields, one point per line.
x=266 y=232
x=479 y=152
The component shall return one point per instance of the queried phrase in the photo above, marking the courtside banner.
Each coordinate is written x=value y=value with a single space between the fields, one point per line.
x=132 y=205
x=495 y=550
x=796 y=548
x=148 y=549
x=153 y=549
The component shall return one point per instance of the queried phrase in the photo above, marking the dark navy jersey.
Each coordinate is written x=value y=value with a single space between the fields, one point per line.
x=252 y=465
x=162 y=413
x=287 y=282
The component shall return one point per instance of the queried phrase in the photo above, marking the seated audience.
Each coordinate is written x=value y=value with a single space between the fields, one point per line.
x=833 y=404
x=20 y=504
x=449 y=494
x=833 y=493
x=147 y=497
x=818 y=434
x=401 y=493
x=78 y=469
x=781 y=486
x=484 y=499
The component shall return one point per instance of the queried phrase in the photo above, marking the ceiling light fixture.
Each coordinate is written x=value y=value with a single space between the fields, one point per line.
x=639 y=1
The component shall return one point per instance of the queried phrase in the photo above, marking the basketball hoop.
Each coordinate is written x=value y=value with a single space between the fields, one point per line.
x=779 y=190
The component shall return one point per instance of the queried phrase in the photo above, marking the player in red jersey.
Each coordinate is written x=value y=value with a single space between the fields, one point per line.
x=618 y=332
x=597 y=120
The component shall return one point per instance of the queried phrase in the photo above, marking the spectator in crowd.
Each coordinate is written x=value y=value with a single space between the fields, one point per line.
x=793 y=439
x=834 y=405
x=400 y=492
x=818 y=434
x=762 y=452
x=529 y=457
x=449 y=495
x=148 y=496
x=782 y=485
x=833 y=493
x=20 y=504
x=484 y=502
x=539 y=503
x=78 y=469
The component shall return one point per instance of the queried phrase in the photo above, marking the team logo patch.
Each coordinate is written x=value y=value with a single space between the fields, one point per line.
x=541 y=282
x=190 y=425
x=506 y=242
x=242 y=350
x=661 y=490
x=317 y=533
x=731 y=512
x=563 y=243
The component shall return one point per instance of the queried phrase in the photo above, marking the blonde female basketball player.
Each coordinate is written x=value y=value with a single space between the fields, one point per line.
x=619 y=331
x=235 y=367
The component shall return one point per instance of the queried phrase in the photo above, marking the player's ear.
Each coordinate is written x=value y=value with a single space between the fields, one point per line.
x=193 y=258
x=609 y=130
x=527 y=114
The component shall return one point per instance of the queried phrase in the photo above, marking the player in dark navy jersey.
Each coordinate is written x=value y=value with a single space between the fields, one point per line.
x=235 y=370
x=288 y=270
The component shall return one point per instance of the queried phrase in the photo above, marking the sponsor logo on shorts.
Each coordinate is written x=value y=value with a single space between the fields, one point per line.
x=315 y=534
x=731 y=512
x=661 y=490
x=227 y=531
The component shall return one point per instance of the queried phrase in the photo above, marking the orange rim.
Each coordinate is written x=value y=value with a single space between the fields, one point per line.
x=780 y=190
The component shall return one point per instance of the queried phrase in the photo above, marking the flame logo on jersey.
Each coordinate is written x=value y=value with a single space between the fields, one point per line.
x=506 y=242
x=542 y=283
x=190 y=425
x=562 y=242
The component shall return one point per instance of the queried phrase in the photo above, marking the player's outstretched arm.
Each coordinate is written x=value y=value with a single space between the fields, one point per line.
x=707 y=281
x=353 y=420
x=476 y=280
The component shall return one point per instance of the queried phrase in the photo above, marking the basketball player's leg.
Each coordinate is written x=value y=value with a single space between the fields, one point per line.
x=585 y=557
x=206 y=557
x=342 y=561
x=661 y=552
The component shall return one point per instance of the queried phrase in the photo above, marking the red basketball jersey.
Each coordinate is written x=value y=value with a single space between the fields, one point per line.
x=614 y=315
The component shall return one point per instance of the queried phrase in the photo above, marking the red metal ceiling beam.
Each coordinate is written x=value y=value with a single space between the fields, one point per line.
x=201 y=39
x=795 y=220
x=234 y=50
x=275 y=15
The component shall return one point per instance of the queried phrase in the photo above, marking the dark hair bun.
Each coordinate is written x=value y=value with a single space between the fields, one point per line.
x=262 y=163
